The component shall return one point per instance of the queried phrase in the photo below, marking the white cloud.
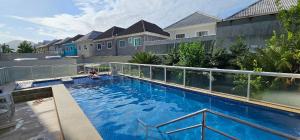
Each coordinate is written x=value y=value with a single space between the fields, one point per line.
x=7 y=36
x=103 y=14
x=2 y=25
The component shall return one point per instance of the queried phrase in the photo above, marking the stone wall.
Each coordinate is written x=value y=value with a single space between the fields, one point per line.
x=101 y=59
x=254 y=30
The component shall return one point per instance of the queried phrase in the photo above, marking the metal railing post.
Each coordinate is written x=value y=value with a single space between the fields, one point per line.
x=150 y=72
x=184 y=77
x=165 y=74
x=52 y=72
x=84 y=69
x=203 y=125
x=31 y=72
x=122 y=68
x=110 y=69
x=130 y=69
x=139 y=71
x=210 y=81
x=248 y=87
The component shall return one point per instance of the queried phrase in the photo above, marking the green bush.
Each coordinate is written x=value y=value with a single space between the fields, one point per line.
x=145 y=58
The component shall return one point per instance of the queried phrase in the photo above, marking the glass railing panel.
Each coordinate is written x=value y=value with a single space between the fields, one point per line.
x=126 y=69
x=41 y=72
x=197 y=79
x=116 y=68
x=175 y=76
x=277 y=90
x=134 y=70
x=80 y=69
x=5 y=76
x=158 y=73
x=145 y=71
x=64 y=70
x=103 y=68
x=22 y=73
x=228 y=83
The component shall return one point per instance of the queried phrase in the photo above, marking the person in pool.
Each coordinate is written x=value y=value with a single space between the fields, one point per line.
x=93 y=74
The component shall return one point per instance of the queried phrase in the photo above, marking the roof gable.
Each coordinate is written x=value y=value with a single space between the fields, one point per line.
x=193 y=19
x=262 y=7
x=73 y=39
x=113 y=31
x=90 y=36
x=143 y=26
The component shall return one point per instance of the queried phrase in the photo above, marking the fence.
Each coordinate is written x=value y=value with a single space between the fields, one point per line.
x=276 y=88
x=17 y=73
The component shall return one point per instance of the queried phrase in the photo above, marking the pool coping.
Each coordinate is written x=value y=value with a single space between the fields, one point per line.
x=224 y=95
x=73 y=122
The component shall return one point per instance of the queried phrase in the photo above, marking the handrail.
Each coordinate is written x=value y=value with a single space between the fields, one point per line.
x=287 y=75
x=181 y=118
x=203 y=125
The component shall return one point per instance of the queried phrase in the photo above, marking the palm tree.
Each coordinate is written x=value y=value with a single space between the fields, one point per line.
x=145 y=58
x=5 y=48
x=25 y=47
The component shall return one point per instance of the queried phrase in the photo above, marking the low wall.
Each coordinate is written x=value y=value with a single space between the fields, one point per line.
x=12 y=56
x=38 y=62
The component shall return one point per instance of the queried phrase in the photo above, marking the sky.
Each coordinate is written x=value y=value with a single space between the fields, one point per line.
x=38 y=20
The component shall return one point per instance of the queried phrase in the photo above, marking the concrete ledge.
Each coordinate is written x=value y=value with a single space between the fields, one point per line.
x=31 y=94
x=74 y=124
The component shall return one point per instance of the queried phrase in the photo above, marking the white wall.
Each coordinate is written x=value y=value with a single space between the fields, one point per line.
x=90 y=51
x=191 y=31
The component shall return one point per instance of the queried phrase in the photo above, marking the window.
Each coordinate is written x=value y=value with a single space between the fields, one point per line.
x=122 y=43
x=130 y=41
x=99 y=47
x=109 y=45
x=180 y=36
x=202 y=33
x=137 y=41
x=85 y=47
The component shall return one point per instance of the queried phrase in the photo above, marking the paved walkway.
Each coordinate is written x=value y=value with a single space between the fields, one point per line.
x=35 y=121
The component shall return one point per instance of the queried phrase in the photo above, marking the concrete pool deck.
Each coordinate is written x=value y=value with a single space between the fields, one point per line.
x=57 y=117
x=34 y=120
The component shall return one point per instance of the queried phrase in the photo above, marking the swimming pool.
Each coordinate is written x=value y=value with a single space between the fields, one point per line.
x=113 y=105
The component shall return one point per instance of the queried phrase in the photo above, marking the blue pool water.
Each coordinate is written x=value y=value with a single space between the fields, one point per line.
x=113 y=105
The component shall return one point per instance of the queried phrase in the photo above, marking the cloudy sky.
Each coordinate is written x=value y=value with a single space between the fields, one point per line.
x=38 y=20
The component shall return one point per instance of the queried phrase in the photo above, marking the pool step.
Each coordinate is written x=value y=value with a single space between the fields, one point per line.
x=67 y=80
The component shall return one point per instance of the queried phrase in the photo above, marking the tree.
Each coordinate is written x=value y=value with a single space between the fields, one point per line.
x=172 y=58
x=5 y=48
x=191 y=54
x=25 y=47
x=145 y=58
x=282 y=53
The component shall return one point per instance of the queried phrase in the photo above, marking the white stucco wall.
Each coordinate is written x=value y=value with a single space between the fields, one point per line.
x=90 y=51
x=191 y=31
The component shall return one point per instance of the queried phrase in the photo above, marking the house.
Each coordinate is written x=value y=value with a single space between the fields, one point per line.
x=119 y=41
x=255 y=24
x=85 y=45
x=197 y=27
x=45 y=48
x=106 y=43
x=57 y=48
x=69 y=47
